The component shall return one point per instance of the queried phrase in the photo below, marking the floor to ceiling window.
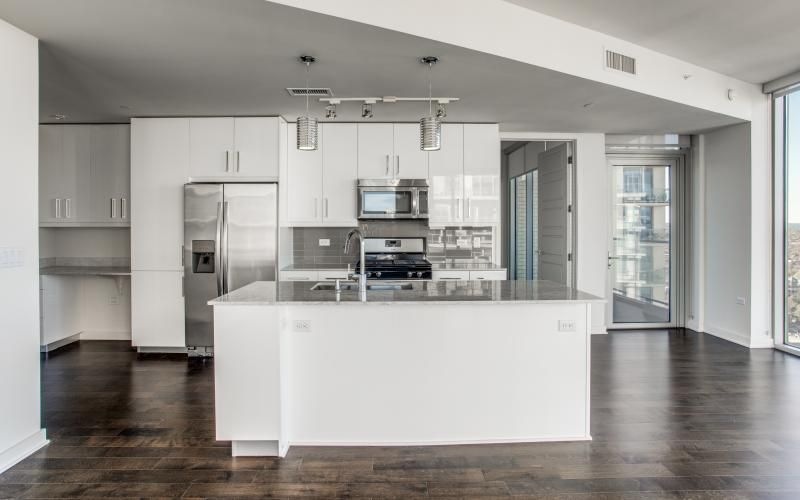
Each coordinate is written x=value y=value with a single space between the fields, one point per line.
x=787 y=176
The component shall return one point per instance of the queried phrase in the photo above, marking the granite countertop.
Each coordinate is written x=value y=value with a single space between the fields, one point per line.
x=423 y=292
x=85 y=270
x=437 y=266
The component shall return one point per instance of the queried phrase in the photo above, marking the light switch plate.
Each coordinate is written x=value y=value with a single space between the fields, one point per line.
x=302 y=325
x=324 y=242
x=566 y=325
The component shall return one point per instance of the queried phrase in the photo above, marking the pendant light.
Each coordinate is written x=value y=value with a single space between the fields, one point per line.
x=306 y=125
x=430 y=127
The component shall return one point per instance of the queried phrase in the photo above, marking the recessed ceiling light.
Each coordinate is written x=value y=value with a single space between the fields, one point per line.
x=58 y=116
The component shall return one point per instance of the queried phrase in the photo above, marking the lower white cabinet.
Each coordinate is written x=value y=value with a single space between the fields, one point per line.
x=445 y=275
x=488 y=275
x=60 y=308
x=157 y=309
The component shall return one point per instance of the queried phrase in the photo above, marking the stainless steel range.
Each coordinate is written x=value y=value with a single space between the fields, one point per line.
x=396 y=259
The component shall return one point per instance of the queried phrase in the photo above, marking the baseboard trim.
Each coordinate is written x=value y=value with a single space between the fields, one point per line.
x=541 y=439
x=105 y=335
x=728 y=335
x=23 y=449
x=161 y=350
x=52 y=346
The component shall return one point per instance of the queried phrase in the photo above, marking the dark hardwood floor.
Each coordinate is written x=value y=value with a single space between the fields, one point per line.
x=675 y=415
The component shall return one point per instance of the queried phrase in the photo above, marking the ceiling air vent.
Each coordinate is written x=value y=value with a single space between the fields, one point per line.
x=620 y=62
x=312 y=92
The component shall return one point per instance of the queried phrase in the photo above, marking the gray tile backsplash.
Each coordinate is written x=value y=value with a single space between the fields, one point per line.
x=463 y=244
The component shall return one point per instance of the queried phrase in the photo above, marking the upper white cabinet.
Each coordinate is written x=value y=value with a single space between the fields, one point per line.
x=339 y=174
x=465 y=175
x=159 y=169
x=320 y=185
x=447 y=177
x=482 y=173
x=387 y=150
x=231 y=148
x=84 y=173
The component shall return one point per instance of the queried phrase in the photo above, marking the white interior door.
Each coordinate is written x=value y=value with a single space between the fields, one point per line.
x=555 y=228
x=642 y=257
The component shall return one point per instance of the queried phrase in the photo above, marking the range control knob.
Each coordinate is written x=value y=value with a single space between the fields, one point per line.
x=410 y=274
x=378 y=274
x=419 y=274
x=369 y=275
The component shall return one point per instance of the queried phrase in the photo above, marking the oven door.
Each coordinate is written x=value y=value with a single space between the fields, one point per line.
x=387 y=203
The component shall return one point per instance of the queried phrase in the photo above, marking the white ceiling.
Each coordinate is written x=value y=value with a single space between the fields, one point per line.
x=107 y=60
x=754 y=41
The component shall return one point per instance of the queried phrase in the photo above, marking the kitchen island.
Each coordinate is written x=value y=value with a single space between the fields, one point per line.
x=430 y=362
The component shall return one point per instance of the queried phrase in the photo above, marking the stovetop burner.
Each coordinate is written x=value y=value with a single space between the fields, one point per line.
x=385 y=259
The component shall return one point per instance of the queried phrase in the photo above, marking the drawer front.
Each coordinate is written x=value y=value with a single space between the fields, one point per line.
x=338 y=274
x=299 y=276
x=445 y=275
x=488 y=275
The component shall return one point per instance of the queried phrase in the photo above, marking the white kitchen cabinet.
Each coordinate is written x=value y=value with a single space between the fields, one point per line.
x=60 y=312
x=446 y=171
x=231 y=148
x=84 y=175
x=339 y=174
x=110 y=174
x=159 y=169
x=157 y=309
x=256 y=148
x=410 y=162
x=375 y=150
x=304 y=182
x=495 y=274
x=210 y=147
x=445 y=275
x=303 y=275
x=64 y=172
x=481 y=173
x=338 y=274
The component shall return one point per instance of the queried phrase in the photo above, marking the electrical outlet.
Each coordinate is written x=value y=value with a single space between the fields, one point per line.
x=113 y=300
x=566 y=325
x=741 y=301
x=302 y=325
x=324 y=242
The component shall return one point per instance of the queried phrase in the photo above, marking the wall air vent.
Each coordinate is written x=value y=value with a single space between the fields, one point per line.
x=312 y=92
x=620 y=62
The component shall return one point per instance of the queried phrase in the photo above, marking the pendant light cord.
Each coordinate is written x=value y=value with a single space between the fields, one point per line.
x=308 y=69
x=430 y=90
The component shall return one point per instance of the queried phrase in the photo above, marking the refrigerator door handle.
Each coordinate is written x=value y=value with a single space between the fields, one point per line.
x=218 y=254
x=226 y=209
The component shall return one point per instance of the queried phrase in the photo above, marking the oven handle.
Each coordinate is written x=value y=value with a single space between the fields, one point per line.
x=415 y=203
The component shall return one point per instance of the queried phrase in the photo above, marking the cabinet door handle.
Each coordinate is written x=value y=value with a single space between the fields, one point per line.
x=316 y=212
x=113 y=208
x=237 y=161
x=469 y=208
x=448 y=278
x=326 y=207
x=124 y=208
x=397 y=166
x=387 y=165
x=299 y=278
x=459 y=209
x=227 y=161
x=58 y=208
x=68 y=205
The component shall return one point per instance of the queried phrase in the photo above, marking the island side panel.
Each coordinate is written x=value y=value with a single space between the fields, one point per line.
x=438 y=373
x=247 y=366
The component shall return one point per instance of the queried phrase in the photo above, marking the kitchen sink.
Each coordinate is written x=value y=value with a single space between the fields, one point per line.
x=353 y=287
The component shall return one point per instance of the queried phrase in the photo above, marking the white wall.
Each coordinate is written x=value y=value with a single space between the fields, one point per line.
x=727 y=238
x=20 y=430
x=592 y=211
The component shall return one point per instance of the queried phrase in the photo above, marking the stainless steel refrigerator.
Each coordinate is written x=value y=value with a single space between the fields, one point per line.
x=230 y=240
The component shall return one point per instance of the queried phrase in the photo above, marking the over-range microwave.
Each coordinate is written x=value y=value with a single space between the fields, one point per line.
x=392 y=199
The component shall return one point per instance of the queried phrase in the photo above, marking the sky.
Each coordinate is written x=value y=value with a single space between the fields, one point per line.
x=793 y=158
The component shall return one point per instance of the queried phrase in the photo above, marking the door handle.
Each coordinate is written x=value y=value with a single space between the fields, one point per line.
x=397 y=165
x=68 y=206
x=58 y=208
x=113 y=208
x=326 y=207
x=387 y=165
x=218 y=254
x=469 y=208
x=226 y=209
x=227 y=161
x=124 y=208
x=316 y=211
x=237 y=161
x=459 y=208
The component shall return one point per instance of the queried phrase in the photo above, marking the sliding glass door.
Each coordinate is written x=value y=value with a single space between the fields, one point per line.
x=787 y=218
x=642 y=243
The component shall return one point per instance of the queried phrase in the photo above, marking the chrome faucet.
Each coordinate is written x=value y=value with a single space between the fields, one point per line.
x=362 y=276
